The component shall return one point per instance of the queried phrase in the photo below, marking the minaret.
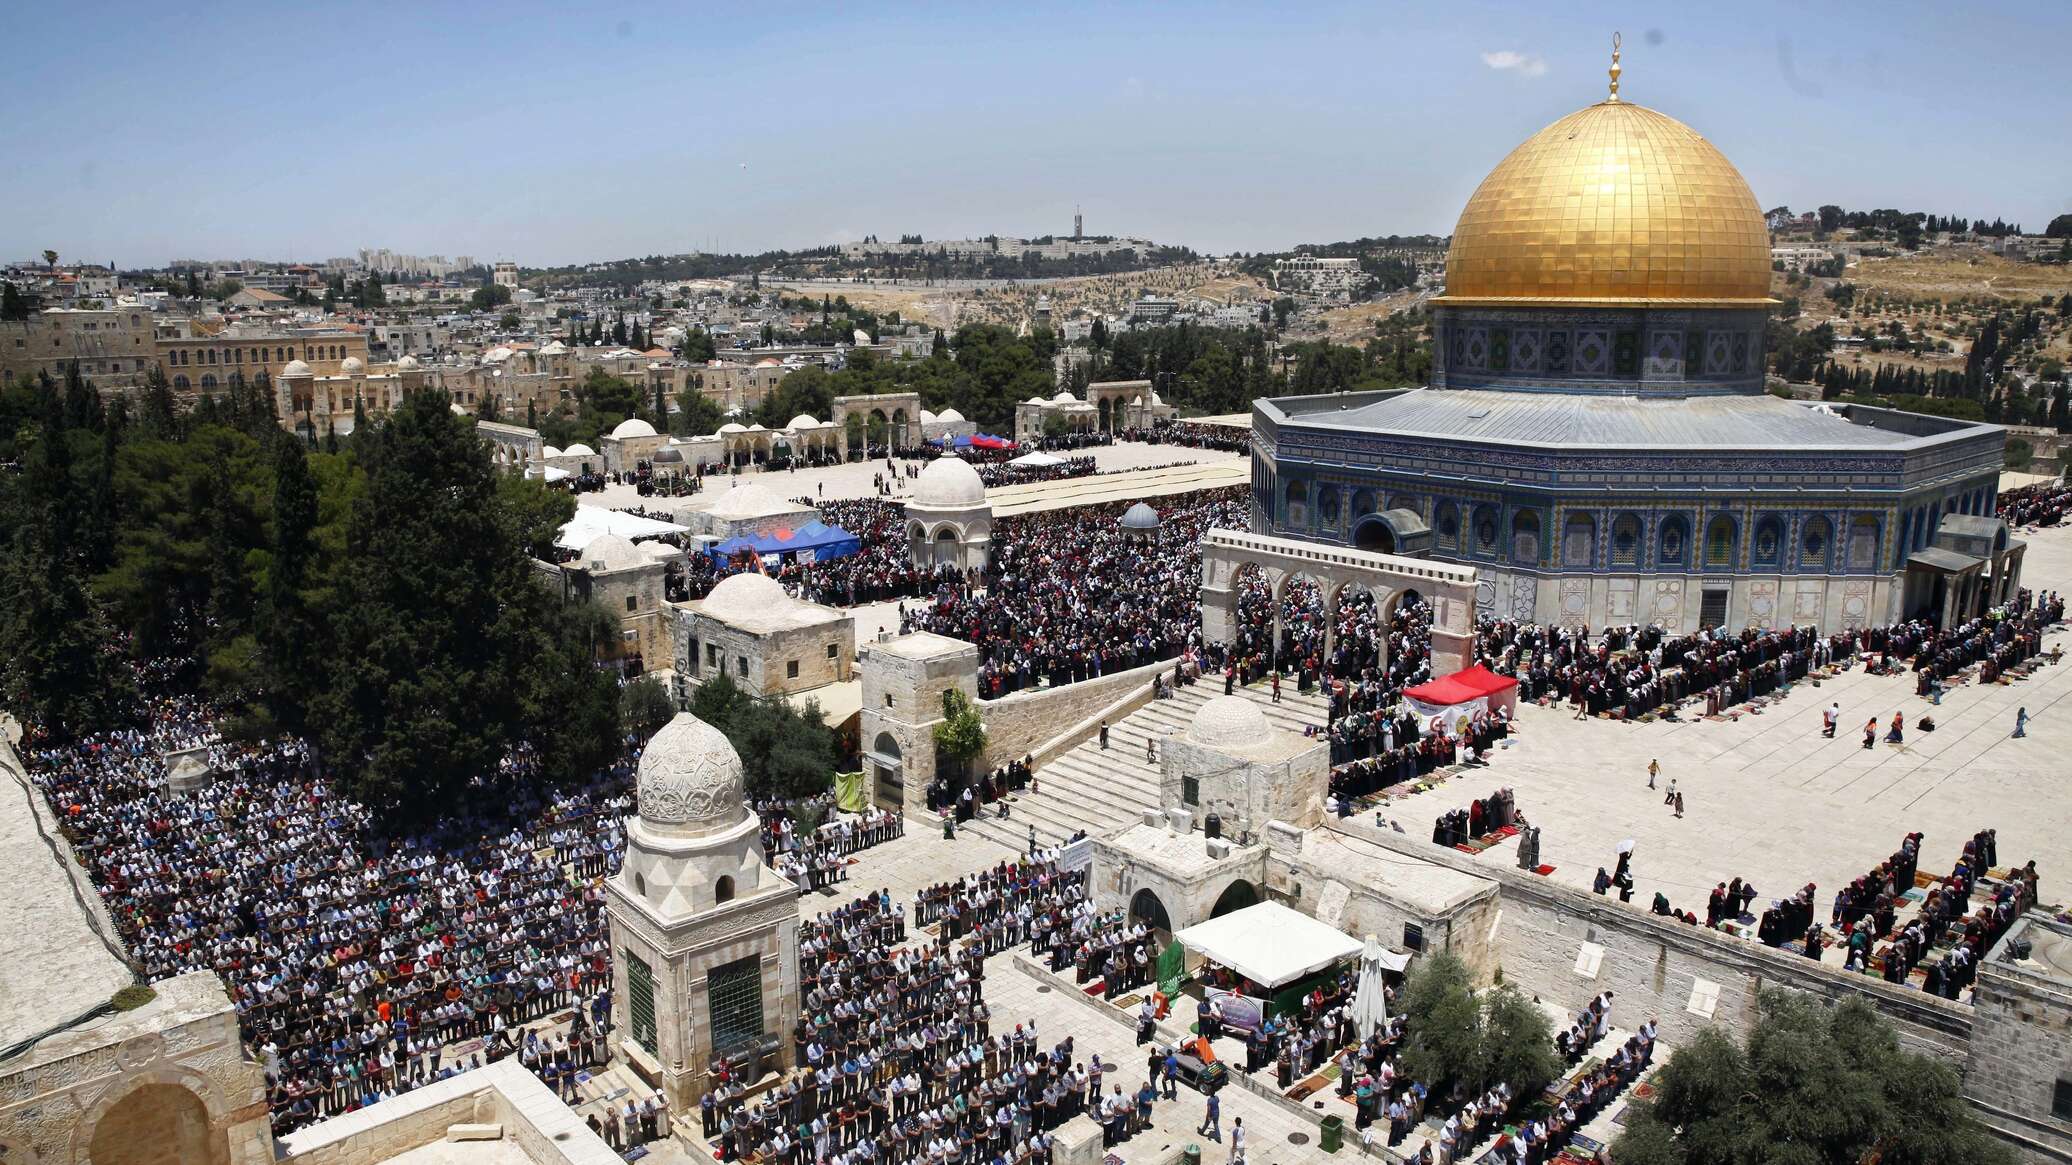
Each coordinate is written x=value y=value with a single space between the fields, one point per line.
x=1077 y=223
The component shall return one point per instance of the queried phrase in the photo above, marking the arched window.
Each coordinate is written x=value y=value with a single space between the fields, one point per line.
x=180 y=382
x=1626 y=540
x=1721 y=542
x=1769 y=542
x=1579 y=540
x=1448 y=527
x=1296 y=515
x=1674 y=546
x=1485 y=530
x=1863 y=542
x=1525 y=537
x=1327 y=506
x=1813 y=544
x=723 y=889
x=1363 y=503
x=208 y=380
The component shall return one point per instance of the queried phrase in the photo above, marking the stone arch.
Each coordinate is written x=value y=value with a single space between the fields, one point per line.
x=1673 y=543
x=888 y=769
x=1236 y=896
x=1626 y=540
x=723 y=889
x=157 y=1116
x=1722 y=542
x=1106 y=407
x=1525 y=537
x=1145 y=907
x=1253 y=595
x=1359 y=635
x=1328 y=514
x=1816 y=539
x=1299 y=602
x=1579 y=539
x=1374 y=534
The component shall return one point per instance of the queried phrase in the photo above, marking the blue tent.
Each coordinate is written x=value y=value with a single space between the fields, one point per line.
x=821 y=539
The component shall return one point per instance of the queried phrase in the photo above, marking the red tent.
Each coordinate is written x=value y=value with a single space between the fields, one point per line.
x=1460 y=687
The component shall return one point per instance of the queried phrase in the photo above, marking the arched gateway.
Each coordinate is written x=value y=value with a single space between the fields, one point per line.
x=1449 y=588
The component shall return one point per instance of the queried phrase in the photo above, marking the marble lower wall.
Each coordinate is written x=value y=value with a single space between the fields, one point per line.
x=1678 y=602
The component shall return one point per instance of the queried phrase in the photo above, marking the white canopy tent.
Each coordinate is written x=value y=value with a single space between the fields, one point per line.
x=1269 y=944
x=594 y=521
x=1038 y=460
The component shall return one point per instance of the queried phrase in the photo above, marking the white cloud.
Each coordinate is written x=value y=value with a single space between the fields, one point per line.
x=1508 y=61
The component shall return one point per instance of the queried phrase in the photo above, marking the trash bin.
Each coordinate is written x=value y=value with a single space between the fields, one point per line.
x=1334 y=1134
x=1191 y=1155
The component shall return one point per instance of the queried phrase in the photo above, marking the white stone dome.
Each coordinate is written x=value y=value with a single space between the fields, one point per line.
x=296 y=368
x=406 y=364
x=926 y=416
x=579 y=450
x=549 y=451
x=950 y=417
x=733 y=427
x=611 y=552
x=633 y=427
x=690 y=778
x=1230 y=722
x=803 y=421
x=746 y=595
x=948 y=483
x=352 y=365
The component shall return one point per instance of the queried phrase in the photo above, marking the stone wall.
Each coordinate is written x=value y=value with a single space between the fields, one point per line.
x=534 y=1120
x=1055 y=719
x=1654 y=965
x=172 y=1069
x=2021 y=1047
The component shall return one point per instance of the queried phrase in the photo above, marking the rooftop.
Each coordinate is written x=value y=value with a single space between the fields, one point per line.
x=1589 y=421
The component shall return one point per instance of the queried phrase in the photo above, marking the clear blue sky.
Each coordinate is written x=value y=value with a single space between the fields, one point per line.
x=555 y=133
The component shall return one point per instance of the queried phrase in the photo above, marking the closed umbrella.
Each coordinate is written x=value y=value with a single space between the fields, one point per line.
x=1370 y=1001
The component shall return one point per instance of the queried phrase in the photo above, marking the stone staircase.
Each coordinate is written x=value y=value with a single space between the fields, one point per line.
x=1102 y=791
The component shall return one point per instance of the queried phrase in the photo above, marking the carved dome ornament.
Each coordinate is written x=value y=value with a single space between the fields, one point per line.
x=690 y=778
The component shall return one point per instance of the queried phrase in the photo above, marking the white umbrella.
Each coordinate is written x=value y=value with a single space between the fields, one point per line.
x=1370 y=1001
x=1036 y=460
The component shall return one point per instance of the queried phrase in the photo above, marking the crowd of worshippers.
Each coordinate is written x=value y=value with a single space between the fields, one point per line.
x=899 y=1060
x=994 y=475
x=1483 y=816
x=353 y=955
x=1194 y=435
x=818 y=860
x=1002 y=906
x=2036 y=505
x=964 y=797
x=1069 y=595
x=1120 y=952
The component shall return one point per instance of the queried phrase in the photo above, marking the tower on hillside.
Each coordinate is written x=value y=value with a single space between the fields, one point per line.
x=1078 y=223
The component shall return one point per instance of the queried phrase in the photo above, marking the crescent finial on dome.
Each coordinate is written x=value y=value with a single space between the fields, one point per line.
x=1615 y=70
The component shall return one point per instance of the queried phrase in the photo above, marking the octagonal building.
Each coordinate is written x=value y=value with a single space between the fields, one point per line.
x=1596 y=438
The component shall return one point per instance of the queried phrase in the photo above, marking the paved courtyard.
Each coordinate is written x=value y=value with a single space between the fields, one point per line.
x=1767 y=798
x=853 y=480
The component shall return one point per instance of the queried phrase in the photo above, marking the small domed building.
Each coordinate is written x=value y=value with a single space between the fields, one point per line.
x=630 y=443
x=949 y=521
x=704 y=932
x=1597 y=440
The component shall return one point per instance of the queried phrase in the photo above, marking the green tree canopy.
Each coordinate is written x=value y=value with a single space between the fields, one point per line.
x=1813 y=1084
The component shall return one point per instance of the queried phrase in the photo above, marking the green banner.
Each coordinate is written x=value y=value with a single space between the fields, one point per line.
x=850 y=794
x=1172 y=964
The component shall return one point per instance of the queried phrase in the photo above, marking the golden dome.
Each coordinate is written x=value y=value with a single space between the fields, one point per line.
x=1613 y=205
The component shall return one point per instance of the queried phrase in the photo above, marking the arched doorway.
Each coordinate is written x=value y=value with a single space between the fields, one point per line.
x=157 y=1124
x=1236 y=896
x=1302 y=622
x=1374 y=534
x=889 y=771
x=1146 y=908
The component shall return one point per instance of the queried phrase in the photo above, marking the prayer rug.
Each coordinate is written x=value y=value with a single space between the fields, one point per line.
x=1129 y=1001
x=1544 y=870
x=1923 y=879
x=1590 y=1145
x=1303 y=1090
x=1917 y=894
x=1094 y=988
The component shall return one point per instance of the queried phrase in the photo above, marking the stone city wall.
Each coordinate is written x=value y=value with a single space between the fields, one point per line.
x=1653 y=965
x=504 y=1094
x=2021 y=1048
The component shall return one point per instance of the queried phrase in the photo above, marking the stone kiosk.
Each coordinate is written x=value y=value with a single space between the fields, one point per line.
x=705 y=965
